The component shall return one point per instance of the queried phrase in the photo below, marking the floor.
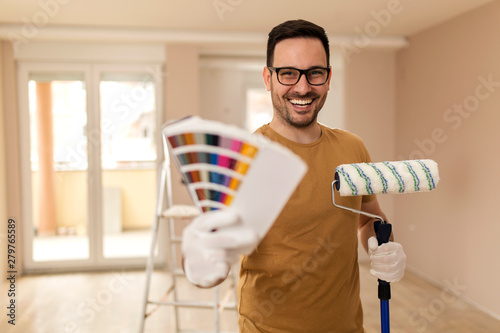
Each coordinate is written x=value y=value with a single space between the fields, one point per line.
x=111 y=303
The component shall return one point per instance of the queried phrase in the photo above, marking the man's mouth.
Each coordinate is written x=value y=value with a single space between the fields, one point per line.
x=301 y=102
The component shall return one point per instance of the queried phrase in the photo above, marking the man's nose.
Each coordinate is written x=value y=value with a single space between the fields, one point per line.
x=302 y=87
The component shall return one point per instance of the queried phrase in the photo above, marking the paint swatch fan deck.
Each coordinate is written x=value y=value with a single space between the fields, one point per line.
x=226 y=166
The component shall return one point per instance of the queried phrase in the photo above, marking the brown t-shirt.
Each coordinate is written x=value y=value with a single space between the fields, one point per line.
x=304 y=275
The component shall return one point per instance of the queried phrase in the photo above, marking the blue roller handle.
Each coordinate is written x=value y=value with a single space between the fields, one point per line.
x=385 y=324
x=383 y=233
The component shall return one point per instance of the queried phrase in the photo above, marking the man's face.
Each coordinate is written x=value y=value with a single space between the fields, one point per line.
x=297 y=105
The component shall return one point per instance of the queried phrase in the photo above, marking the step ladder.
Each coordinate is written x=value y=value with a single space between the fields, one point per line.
x=169 y=213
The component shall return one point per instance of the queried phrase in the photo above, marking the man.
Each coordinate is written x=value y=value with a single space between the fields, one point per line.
x=303 y=276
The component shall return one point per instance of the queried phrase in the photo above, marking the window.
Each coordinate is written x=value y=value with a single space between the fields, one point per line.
x=259 y=108
x=128 y=111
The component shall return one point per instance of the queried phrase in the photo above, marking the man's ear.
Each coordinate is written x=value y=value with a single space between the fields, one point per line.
x=266 y=75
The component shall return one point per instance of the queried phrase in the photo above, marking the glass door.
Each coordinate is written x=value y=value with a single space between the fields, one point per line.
x=129 y=112
x=55 y=165
x=89 y=161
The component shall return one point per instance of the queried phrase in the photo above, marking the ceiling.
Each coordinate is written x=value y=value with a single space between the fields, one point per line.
x=339 y=17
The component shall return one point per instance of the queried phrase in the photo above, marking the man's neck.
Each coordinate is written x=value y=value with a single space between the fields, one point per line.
x=304 y=135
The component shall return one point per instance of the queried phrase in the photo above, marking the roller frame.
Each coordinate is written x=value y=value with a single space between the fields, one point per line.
x=352 y=209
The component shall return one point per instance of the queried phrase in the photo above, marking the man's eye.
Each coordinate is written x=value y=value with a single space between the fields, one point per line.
x=317 y=72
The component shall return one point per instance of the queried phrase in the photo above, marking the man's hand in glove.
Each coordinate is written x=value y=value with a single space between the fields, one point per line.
x=212 y=243
x=388 y=261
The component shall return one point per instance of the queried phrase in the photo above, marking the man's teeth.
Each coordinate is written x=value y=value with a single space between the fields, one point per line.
x=301 y=101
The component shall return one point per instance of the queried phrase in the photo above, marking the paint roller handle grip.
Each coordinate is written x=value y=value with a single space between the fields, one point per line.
x=383 y=233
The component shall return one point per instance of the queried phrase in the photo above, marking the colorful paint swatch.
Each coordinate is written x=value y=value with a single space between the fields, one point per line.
x=210 y=157
x=223 y=165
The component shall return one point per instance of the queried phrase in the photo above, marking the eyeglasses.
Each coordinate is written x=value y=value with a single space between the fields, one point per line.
x=289 y=76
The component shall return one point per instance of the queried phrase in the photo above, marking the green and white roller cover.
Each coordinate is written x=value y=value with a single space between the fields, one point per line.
x=387 y=177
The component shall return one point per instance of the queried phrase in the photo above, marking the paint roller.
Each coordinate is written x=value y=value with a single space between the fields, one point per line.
x=381 y=178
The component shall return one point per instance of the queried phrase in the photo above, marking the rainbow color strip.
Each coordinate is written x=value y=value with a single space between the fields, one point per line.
x=213 y=165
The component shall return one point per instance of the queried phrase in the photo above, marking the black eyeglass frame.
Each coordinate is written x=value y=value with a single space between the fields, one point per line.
x=301 y=71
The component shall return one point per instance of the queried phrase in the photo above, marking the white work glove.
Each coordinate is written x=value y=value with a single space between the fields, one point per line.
x=213 y=242
x=388 y=261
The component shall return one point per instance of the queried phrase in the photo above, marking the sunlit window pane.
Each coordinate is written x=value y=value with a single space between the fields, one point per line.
x=259 y=108
x=128 y=109
x=69 y=121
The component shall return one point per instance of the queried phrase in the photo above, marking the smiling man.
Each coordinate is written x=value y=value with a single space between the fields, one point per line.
x=303 y=276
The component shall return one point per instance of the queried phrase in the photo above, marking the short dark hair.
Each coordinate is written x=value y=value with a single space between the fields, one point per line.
x=293 y=29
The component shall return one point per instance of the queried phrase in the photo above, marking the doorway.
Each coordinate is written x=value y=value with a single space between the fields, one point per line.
x=90 y=158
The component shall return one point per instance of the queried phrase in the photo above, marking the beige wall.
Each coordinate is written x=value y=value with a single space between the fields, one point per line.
x=11 y=184
x=370 y=111
x=3 y=179
x=370 y=101
x=182 y=97
x=446 y=111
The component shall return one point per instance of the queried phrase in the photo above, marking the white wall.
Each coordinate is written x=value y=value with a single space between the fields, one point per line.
x=223 y=86
x=451 y=235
